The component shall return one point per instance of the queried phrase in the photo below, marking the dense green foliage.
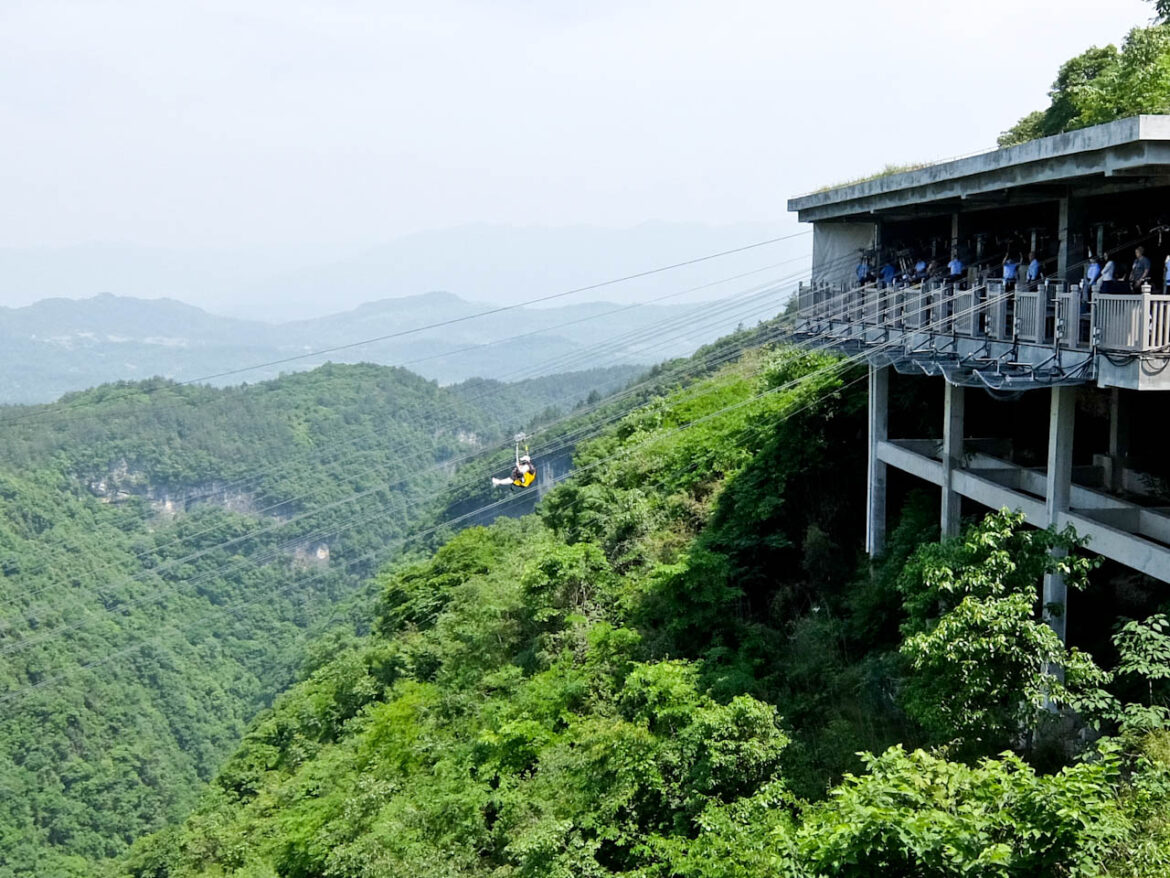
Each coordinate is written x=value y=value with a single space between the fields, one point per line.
x=1103 y=84
x=666 y=670
x=983 y=658
x=165 y=552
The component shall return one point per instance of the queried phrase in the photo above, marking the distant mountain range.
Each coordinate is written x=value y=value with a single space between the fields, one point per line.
x=59 y=345
x=480 y=261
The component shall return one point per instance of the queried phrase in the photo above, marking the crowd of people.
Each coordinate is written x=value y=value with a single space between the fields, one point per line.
x=1103 y=273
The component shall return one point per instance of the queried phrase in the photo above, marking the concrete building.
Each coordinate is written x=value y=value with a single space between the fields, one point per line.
x=1093 y=352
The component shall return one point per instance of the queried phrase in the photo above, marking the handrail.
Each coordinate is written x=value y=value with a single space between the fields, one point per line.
x=1137 y=322
x=1049 y=312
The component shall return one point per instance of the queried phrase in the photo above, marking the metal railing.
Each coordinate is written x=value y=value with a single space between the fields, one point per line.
x=1137 y=322
x=1067 y=322
x=1029 y=320
x=1048 y=313
x=997 y=311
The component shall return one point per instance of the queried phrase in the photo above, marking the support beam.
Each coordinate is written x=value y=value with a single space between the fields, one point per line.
x=1072 y=240
x=875 y=520
x=1124 y=532
x=1118 y=439
x=952 y=457
x=1061 y=421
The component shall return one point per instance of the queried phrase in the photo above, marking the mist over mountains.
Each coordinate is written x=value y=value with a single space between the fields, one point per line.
x=481 y=262
x=60 y=345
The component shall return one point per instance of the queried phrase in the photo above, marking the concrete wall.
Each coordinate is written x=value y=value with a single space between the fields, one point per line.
x=835 y=250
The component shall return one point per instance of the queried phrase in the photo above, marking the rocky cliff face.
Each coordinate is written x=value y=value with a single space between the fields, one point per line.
x=123 y=483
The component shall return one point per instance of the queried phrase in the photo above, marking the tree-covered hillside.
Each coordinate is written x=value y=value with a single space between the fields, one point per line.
x=669 y=670
x=167 y=551
x=1106 y=83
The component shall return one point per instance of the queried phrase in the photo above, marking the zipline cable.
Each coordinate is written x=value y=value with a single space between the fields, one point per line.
x=20 y=644
x=222 y=488
x=9 y=696
x=293 y=541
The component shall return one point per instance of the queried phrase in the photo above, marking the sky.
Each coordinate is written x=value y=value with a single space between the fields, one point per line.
x=285 y=133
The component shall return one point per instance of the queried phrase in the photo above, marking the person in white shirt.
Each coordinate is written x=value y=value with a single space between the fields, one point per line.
x=1109 y=270
x=523 y=474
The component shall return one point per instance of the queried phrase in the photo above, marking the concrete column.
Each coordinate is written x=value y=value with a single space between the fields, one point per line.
x=1118 y=439
x=1061 y=421
x=1072 y=240
x=952 y=457
x=879 y=411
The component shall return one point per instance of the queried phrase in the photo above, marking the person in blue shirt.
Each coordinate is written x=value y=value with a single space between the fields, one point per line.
x=862 y=271
x=1011 y=271
x=1033 y=267
x=1094 y=270
x=955 y=266
x=920 y=269
x=888 y=273
x=1092 y=274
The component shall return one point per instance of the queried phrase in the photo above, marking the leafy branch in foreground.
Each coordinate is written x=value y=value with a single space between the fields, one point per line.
x=982 y=656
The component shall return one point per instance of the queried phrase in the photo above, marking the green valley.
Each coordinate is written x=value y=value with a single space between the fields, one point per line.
x=168 y=552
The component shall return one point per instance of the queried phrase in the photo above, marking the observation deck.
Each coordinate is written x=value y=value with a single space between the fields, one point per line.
x=1098 y=352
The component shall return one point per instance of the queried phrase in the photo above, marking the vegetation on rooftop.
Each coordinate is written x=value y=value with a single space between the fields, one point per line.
x=888 y=171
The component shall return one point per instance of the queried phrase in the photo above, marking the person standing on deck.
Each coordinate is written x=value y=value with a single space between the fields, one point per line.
x=1092 y=275
x=1033 y=275
x=1011 y=271
x=1140 y=273
x=862 y=271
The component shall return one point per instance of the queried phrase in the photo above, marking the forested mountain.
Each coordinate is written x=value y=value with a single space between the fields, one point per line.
x=61 y=345
x=670 y=668
x=169 y=553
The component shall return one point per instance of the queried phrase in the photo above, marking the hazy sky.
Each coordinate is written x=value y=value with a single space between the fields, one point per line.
x=345 y=124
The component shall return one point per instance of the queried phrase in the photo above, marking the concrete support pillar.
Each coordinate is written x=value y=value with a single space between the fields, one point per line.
x=952 y=457
x=1118 y=439
x=1072 y=252
x=1061 y=420
x=954 y=233
x=875 y=519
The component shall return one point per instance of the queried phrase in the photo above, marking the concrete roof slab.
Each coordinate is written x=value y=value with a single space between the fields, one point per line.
x=1115 y=148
